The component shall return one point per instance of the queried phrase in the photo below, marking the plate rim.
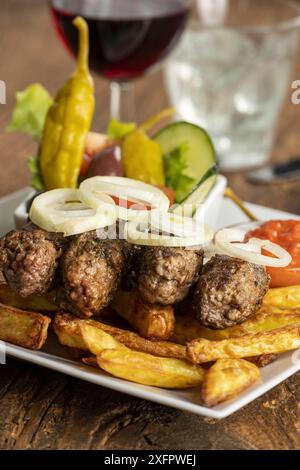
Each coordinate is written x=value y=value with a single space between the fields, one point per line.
x=89 y=374
x=83 y=372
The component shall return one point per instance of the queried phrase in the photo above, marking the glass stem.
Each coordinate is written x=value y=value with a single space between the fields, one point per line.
x=122 y=101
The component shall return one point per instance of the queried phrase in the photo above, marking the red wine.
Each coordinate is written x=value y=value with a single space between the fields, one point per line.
x=126 y=36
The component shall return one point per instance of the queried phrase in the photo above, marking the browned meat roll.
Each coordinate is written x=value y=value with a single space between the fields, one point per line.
x=91 y=270
x=28 y=260
x=229 y=291
x=165 y=275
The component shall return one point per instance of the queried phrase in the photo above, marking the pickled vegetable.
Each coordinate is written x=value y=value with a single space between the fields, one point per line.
x=142 y=158
x=68 y=122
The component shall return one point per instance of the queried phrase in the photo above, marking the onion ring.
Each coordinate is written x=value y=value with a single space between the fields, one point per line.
x=226 y=242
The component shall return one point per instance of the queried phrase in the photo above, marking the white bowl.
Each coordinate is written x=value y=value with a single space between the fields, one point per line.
x=21 y=214
x=208 y=212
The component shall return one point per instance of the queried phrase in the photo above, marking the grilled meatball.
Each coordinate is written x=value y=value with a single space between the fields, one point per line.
x=58 y=239
x=28 y=260
x=165 y=275
x=91 y=271
x=229 y=291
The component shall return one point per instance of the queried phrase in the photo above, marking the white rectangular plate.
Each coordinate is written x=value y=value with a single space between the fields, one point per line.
x=54 y=356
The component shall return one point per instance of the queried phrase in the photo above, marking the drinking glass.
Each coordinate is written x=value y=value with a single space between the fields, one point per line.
x=231 y=72
x=127 y=37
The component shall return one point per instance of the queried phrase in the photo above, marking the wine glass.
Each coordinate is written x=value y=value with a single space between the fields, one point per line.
x=127 y=37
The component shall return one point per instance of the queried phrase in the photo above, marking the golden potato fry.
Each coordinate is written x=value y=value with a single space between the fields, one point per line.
x=97 y=340
x=136 y=366
x=282 y=298
x=146 y=369
x=188 y=328
x=279 y=340
x=67 y=328
x=24 y=328
x=157 y=348
x=39 y=303
x=226 y=379
x=151 y=321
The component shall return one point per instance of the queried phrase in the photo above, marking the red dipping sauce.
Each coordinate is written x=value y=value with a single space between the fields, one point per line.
x=285 y=233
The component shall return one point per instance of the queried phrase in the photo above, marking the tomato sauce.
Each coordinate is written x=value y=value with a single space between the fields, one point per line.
x=285 y=233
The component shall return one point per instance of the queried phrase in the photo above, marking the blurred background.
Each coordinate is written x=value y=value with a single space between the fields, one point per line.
x=31 y=52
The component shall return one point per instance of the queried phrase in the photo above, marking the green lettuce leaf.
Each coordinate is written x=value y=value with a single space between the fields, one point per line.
x=34 y=168
x=30 y=111
x=118 y=130
x=174 y=166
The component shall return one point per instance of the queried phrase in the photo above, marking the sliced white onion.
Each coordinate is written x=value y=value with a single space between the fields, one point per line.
x=141 y=236
x=170 y=223
x=92 y=189
x=213 y=249
x=60 y=210
x=226 y=242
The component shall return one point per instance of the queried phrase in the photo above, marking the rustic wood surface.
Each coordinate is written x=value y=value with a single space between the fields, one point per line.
x=41 y=409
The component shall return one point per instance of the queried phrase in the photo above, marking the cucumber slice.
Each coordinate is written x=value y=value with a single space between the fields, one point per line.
x=197 y=196
x=200 y=153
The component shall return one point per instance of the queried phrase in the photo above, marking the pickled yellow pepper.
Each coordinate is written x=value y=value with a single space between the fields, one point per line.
x=142 y=157
x=68 y=122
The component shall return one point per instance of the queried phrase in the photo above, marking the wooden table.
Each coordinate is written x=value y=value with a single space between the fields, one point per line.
x=41 y=409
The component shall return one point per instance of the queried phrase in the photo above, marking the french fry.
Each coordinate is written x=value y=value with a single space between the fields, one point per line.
x=67 y=328
x=282 y=298
x=226 y=379
x=157 y=348
x=39 y=303
x=24 y=328
x=97 y=340
x=120 y=361
x=275 y=341
x=150 y=321
x=188 y=328
x=146 y=369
